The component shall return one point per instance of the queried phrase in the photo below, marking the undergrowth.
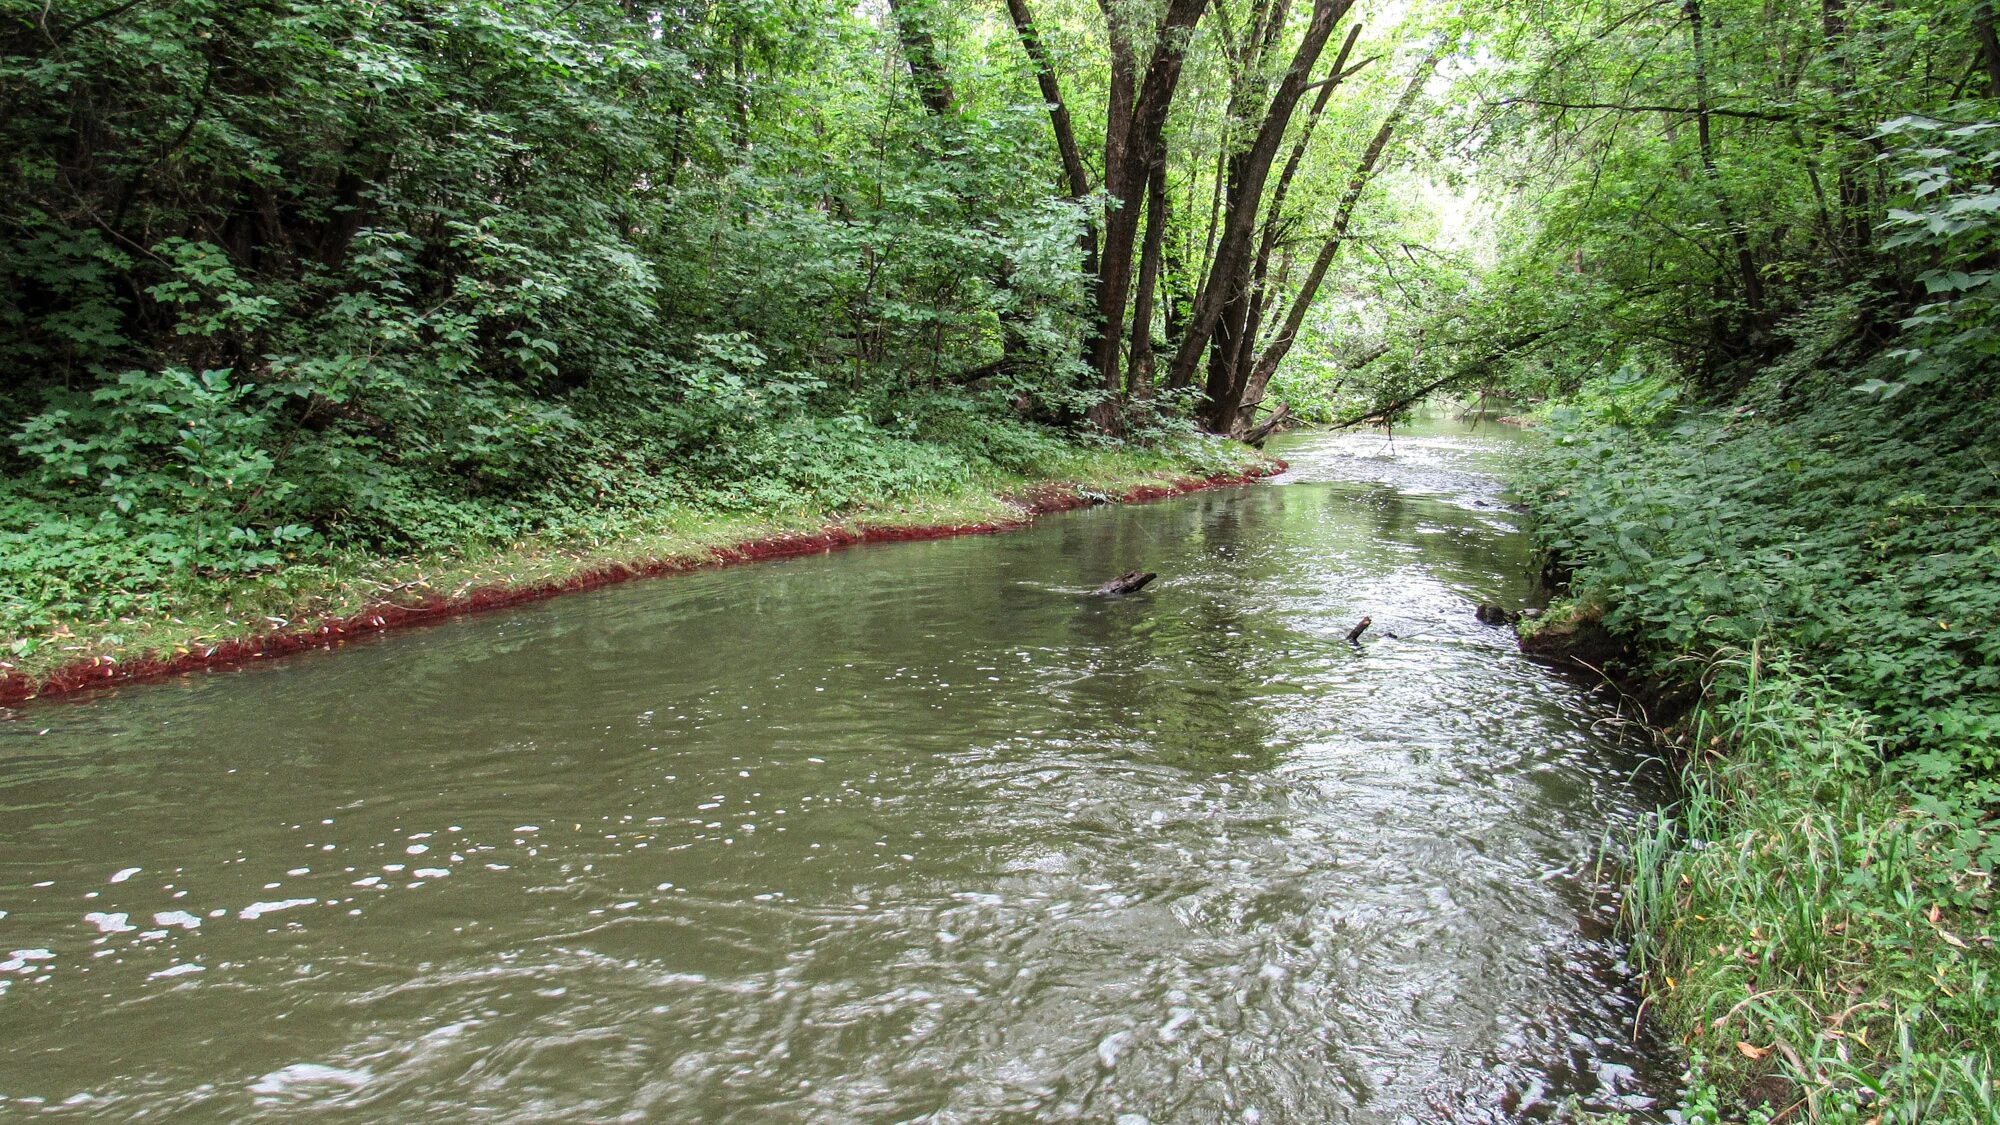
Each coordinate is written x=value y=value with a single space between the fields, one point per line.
x=1822 y=569
x=80 y=580
x=1819 y=941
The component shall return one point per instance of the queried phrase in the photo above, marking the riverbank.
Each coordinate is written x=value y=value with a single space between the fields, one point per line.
x=208 y=623
x=1816 y=593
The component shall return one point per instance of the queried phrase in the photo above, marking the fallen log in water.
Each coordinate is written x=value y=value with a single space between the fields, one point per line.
x=1354 y=634
x=1130 y=582
x=1278 y=419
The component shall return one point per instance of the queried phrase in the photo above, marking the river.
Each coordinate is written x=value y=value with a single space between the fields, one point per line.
x=914 y=831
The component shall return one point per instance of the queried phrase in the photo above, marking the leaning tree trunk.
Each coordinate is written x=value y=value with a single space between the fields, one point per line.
x=1343 y=217
x=1074 y=173
x=1240 y=383
x=1239 y=224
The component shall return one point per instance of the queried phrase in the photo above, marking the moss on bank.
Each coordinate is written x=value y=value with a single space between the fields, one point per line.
x=200 y=618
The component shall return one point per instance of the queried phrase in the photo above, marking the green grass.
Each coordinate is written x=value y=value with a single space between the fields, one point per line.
x=1813 y=937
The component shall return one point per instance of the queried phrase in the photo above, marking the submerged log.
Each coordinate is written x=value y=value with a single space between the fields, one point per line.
x=1130 y=582
x=1354 y=634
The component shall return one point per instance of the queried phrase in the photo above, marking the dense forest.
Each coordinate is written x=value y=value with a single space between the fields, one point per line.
x=287 y=284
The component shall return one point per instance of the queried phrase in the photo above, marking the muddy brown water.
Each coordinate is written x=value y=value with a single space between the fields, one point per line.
x=910 y=832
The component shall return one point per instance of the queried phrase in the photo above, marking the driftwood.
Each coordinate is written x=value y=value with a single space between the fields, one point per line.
x=1130 y=582
x=1269 y=426
x=1354 y=634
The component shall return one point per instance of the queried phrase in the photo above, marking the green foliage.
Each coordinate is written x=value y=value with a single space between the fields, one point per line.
x=1820 y=903
x=1799 y=919
x=1630 y=398
x=295 y=278
x=1953 y=219
x=1860 y=536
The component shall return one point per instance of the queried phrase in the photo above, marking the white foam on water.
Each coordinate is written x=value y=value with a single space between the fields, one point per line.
x=258 y=909
x=305 y=1080
x=118 y=923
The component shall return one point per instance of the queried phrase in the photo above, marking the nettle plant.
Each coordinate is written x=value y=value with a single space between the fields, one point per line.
x=1952 y=225
x=181 y=459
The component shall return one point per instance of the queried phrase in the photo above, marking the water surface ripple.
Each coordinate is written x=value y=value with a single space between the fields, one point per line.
x=913 y=832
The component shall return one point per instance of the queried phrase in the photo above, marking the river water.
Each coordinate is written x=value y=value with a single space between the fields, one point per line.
x=915 y=831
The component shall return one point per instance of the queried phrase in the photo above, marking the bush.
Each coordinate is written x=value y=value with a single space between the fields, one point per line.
x=1863 y=536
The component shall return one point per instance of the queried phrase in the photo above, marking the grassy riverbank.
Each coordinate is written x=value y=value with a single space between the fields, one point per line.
x=57 y=615
x=1821 y=572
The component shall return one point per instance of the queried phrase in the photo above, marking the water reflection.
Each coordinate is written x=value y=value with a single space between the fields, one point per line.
x=904 y=832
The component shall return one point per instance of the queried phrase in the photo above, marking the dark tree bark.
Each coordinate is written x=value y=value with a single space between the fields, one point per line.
x=1139 y=376
x=1131 y=146
x=1234 y=377
x=1239 y=224
x=1343 y=217
x=920 y=52
x=1130 y=582
x=1262 y=432
x=1075 y=174
x=1989 y=45
x=1274 y=215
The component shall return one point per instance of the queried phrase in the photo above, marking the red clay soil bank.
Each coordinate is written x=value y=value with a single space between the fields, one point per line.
x=105 y=671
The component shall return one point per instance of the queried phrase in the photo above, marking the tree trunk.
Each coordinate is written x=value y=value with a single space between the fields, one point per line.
x=1259 y=434
x=1241 y=382
x=1343 y=217
x=1132 y=144
x=1989 y=44
x=1226 y=339
x=1233 y=249
x=1739 y=236
x=1139 y=378
x=920 y=52
x=1074 y=173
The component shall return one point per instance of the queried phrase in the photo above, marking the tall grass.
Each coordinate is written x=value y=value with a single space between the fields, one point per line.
x=1816 y=940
